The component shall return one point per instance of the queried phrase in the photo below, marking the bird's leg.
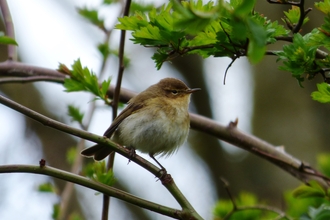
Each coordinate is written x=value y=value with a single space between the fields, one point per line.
x=131 y=153
x=163 y=175
x=152 y=156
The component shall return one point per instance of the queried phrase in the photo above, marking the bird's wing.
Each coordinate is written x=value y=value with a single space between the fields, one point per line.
x=130 y=109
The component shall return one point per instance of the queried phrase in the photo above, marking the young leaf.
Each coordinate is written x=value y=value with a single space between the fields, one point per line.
x=323 y=6
x=47 y=187
x=97 y=171
x=293 y=15
x=84 y=80
x=92 y=16
x=56 y=211
x=7 y=40
x=245 y=7
x=71 y=155
x=257 y=44
x=323 y=93
x=323 y=161
x=320 y=213
x=75 y=113
x=104 y=50
x=313 y=190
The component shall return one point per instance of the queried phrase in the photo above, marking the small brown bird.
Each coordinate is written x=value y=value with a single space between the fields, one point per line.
x=156 y=121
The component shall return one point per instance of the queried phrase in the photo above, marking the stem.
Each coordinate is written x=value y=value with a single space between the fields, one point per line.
x=111 y=159
x=104 y=141
x=10 y=32
x=76 y=167
x=83 y=181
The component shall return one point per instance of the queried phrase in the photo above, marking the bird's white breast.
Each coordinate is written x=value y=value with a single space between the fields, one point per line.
x=155 y=130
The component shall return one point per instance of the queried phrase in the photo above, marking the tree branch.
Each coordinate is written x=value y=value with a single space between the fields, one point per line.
x=108 y=190
x=171 y=186
x=228 y=133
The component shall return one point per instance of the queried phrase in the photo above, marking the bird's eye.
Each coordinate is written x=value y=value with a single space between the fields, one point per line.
x=174 y=92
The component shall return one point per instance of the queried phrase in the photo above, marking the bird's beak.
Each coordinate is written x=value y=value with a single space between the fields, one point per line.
x=193 y=90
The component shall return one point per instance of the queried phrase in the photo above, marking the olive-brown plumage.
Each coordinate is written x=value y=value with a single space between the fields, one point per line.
x=156 y=121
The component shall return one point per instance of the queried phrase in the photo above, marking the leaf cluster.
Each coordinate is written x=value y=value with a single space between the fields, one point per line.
x=247 y=207
x=82 y=79
x=303 y=57
x=229 y=29
x=307 y=202
x=97 y=171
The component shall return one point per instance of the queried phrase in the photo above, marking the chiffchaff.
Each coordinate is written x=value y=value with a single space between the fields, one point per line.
x=156 y=121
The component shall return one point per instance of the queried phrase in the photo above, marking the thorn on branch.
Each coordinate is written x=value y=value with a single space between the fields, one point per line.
x=233 y=124
x=42 y=163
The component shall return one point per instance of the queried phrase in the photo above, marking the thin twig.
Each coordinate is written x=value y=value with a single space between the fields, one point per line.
x=301 y=6
x=106 y=199
x=108 y=190
x=10 y=32
x=76 y=166
x=171 y=186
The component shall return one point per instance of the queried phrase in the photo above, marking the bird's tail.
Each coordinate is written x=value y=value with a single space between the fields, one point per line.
x=98 y=152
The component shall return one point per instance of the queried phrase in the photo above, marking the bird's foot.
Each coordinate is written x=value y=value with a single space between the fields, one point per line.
x=131 y=154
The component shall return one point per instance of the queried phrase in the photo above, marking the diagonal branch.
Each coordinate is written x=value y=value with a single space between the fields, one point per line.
x=171 y=186
x=228 y=133
x=108 y=190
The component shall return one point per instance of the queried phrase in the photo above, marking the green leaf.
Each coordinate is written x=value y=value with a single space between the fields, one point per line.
x=82 y=79
x=222 y=208
x=71 y=155
x=92 y=16
x=323 y=6
x=141 y=7
x=109 y=2
x=323 y=93
x=104 y=87
x=257 y=44
x=323 y=161
x=56 y=211
x=75 y=216
x=97 y=171
x=299 y=57
x=135 y=22
x=47 y=187
x=245 y=7
x=126 y=58
x=313 y=190
x=193 y=16
x=293 y=16
x=7 y=40
x=320 y=213
x=104 y=50
x=296 y=207
x=75 y=114
x=159 y=58
x=272 y=29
